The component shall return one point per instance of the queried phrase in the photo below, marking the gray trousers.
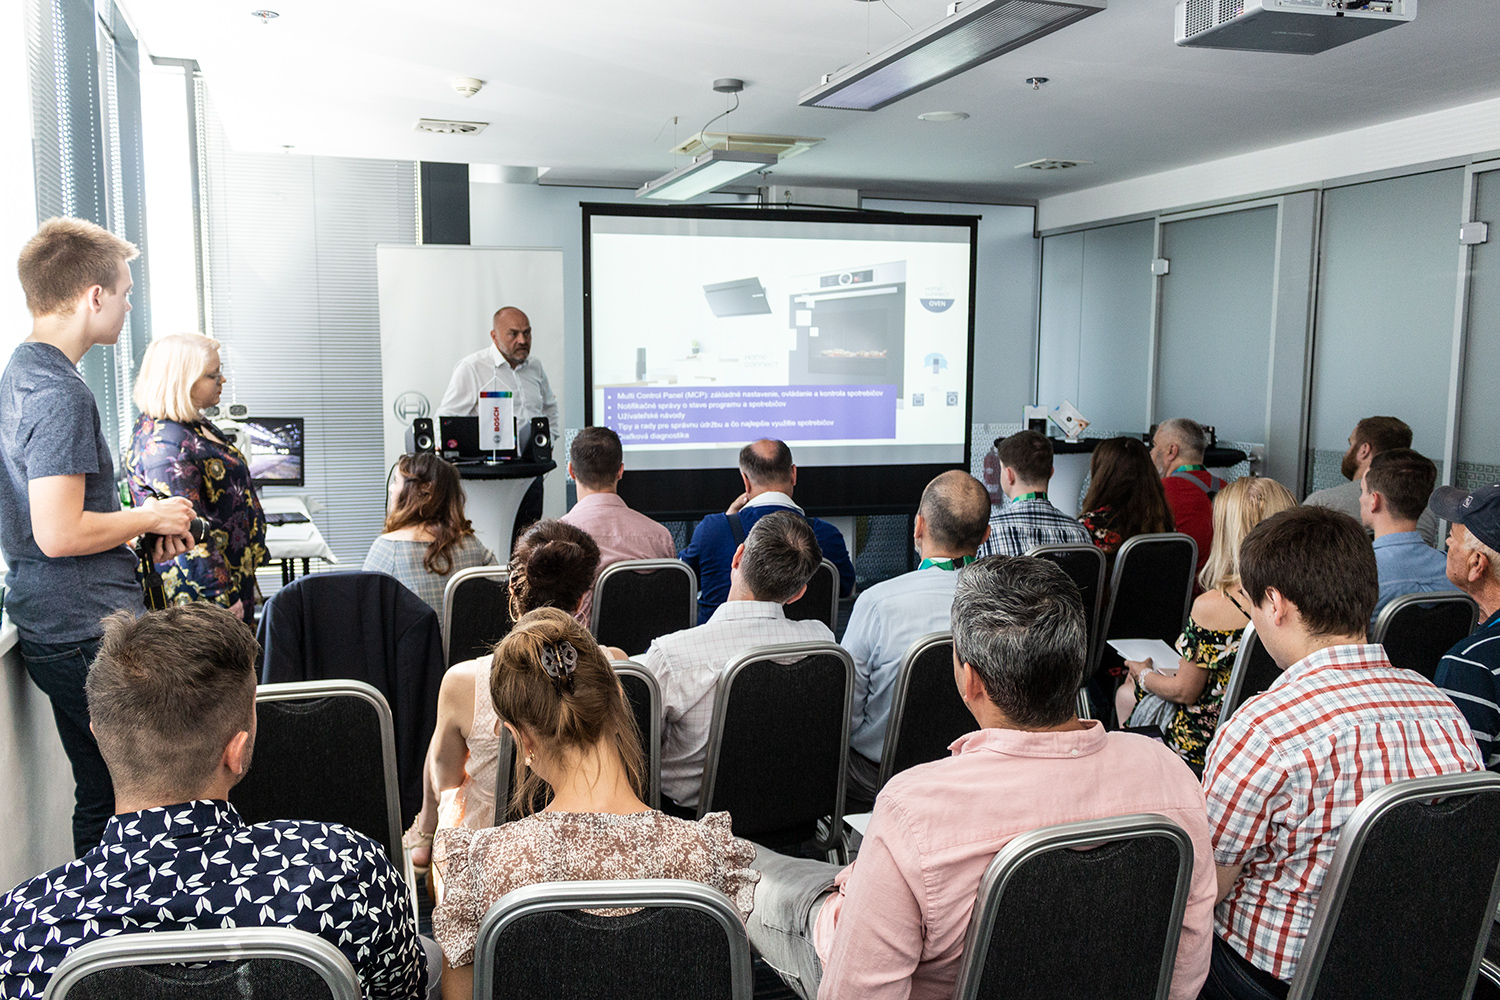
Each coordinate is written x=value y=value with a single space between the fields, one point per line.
x=788 y=897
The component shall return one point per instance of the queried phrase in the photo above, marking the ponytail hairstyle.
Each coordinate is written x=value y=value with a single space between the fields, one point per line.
x=553 y=565
x=551 y=681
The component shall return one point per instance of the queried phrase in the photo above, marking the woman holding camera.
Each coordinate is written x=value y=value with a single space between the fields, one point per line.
x=176 y=451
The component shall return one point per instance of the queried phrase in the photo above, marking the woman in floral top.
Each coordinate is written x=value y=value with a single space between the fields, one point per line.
x=1212 y=638
x=1125 y=496
x=176 y=451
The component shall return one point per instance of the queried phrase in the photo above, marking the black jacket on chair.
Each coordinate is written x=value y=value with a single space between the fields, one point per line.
x=365 y=627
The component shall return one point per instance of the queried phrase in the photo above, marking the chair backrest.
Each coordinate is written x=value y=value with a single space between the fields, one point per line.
x=779 y=740
x=926 y=712
x=324 y=751
x=1253 y=672
x=644 y=697
x=637 y=600
x=1053 y=920
x=687 y=944
x=821 y=601
x=265 y=963
x=476 y=612
x=1150 y=592
x=1408 y=900
x=1417 y=629
x=1084 y=565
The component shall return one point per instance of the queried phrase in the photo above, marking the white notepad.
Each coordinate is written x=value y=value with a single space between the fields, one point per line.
x=1163 y=657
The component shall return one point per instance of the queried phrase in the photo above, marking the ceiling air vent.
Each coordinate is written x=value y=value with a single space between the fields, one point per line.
x=443 y=127
x=1051 y=164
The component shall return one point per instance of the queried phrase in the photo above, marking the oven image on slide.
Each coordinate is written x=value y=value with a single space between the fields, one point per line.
x=850 y=325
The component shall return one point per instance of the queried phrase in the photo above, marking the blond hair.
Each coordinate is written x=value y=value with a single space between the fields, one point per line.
x=1239 y=507
x=66 y=258
x=170 y=366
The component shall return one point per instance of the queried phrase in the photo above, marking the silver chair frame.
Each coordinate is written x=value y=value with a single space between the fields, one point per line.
x=1346 y=857
x=550 y=896
x=898 y=699
x=1389 y=612
x=1084 y=834
x=451 y=588
x=784 y=653
x=1236 y=683
x=232 y=944
x=630 y=668
x=1097 y=553
x=634 y=565
x=1103 y=623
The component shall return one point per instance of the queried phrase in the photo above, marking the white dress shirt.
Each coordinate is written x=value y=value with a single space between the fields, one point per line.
x=687 y=665
x=489 y=369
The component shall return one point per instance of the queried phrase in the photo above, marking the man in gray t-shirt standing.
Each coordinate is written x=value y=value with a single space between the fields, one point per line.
x=61 y=526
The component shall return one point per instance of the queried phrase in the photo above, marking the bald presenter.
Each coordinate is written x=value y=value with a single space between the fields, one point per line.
x=506 y=364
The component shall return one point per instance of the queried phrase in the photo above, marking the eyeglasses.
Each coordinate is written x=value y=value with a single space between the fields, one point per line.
x=217 y=376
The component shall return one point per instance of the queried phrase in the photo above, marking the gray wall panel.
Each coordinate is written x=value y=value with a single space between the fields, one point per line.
x=1061 y=322
x=1479 y=414
x=1115 y=326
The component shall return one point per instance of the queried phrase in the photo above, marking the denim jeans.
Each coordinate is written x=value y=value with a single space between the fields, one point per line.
x=1232 y=977
x=59 y=670
x=788 y=899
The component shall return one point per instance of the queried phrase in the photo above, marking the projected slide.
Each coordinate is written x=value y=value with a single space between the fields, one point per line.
x=849 y=340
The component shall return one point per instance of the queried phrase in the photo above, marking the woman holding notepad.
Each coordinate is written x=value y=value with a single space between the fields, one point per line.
x=1208 y=644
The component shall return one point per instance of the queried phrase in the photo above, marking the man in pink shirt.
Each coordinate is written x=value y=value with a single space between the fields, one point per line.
x=892 y=924
x=595 y=463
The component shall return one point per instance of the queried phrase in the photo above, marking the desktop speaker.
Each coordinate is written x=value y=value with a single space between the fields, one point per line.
x=536 y=446
x=420 y=436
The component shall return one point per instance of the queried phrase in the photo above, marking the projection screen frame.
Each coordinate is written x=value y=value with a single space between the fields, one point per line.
x=683 y=494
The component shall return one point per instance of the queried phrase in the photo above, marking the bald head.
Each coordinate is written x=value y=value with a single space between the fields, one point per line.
x=955 y=513
x=511 y=334
x=767 y=465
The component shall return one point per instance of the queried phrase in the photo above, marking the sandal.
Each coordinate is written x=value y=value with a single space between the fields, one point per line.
x=415 y=840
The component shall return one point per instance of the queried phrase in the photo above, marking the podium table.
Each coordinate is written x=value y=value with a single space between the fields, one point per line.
x=494 y=492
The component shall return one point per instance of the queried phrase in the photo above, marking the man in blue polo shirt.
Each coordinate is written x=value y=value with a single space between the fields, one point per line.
x=769 y=476
x=1470 y=673
x=1393 y=494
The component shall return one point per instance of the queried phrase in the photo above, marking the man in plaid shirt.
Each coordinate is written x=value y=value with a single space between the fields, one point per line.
x=1288 y=768
x=1028 y=518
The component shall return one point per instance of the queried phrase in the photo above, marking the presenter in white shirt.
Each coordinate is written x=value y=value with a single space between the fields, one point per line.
x=506 y=364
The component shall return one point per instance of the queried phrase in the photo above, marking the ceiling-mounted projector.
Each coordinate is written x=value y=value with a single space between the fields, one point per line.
x=1303 y=26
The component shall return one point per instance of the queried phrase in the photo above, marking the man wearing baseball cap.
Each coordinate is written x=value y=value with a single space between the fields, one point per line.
x=1470 y=672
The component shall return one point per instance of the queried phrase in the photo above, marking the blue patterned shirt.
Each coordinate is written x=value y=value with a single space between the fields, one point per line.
x=197 y=865
x=1021 y=525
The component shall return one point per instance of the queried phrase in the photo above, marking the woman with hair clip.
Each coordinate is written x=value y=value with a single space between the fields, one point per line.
x=1125 y=496
x=1185 y=704
x=427 y=537
x=575 y=738
x=177 y=451
x=553 y=566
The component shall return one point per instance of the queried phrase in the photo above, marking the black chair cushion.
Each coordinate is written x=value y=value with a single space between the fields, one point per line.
x=638 y=696
x=815 y=604
x=1419 y=636
x=253 y=979
x=481 y=618
x=635 y=608
x=1082 y=568
x=934 y=715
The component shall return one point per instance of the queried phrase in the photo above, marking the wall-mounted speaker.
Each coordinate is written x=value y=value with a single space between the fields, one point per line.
x=537 y=444
x=420 y=436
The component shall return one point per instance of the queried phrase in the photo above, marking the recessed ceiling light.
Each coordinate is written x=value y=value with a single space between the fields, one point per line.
x=264 y=15
x=1050 y=163
x=447 y=127
x=1036 y=81
x=943 y=116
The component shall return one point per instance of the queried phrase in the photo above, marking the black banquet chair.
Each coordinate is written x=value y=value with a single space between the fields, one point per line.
x=1149 y=597
x=1084 y=565
x=821 y=602
x=638 y=600
x=1049 y=919
x=476 y=612
x=778 y=744
x=643 y=695
x=1408 y=900
x=1417 y=629
x=248 y=963
x=688 y=943
x=1253 y=672
x=926 y=712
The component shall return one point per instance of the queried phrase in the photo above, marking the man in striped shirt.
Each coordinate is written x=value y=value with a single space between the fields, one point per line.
x=1470 y=672
x=1288 y=768
x=1028 y=518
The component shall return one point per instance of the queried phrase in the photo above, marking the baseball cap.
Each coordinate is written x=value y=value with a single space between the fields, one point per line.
x=1478 y=511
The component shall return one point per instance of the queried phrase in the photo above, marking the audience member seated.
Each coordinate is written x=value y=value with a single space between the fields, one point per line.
x=769 y=477
x=770 y=568
x=1371 y=436
x=1027 y=518
x=172 y=699
x=576 y=738
x=1470 y=673
x=1185 y=705
x=595 y=463
x=952 y=521
x=427 y=538
x=1177 y=450
x=892 y=924
x=552 y=566
x=1291 y=764
x=1125 y=496
x=1393 y=494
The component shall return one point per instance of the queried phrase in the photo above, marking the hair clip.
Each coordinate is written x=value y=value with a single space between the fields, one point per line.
x=560 y=661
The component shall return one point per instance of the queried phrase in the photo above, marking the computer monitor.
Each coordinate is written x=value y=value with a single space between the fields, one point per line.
x=274 y=447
